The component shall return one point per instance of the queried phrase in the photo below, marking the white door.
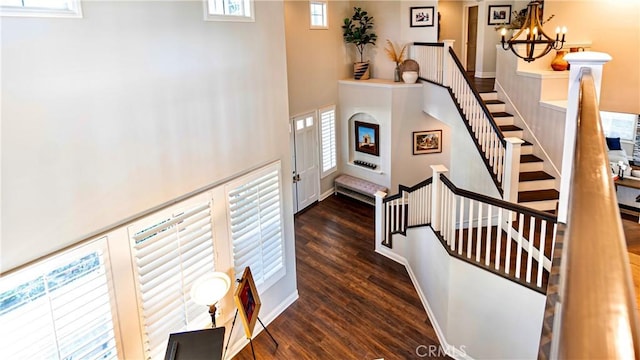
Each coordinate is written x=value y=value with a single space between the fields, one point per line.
x=306 y=176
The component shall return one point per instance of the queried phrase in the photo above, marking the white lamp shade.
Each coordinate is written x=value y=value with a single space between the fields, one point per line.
x=210 y=288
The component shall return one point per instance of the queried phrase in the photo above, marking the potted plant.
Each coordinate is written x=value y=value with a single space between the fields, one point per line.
x=359 y=31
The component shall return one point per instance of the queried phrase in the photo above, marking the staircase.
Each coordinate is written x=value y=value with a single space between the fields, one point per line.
x=535 y=187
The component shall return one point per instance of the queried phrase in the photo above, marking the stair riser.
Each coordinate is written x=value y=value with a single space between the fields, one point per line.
x=517 y=133
x=489 y=96
x=531 y=166
x=526 y=150
x=504 y=120
x=536 y=185
x=495 y=107
x=545 y=205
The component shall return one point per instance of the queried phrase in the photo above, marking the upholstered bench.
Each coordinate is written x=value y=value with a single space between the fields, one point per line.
x=357 y=188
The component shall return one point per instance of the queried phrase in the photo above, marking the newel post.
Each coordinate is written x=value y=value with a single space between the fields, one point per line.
x=436 y=199
x=447 y=63
x=579 y=61
x=380 y=233
x=511 y=169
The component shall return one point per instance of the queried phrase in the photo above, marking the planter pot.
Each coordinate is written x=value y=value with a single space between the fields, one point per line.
x=361 y=71
x=410 y=77
x=559 y=63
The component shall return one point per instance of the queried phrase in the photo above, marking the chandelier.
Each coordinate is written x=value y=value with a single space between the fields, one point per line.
x=537 y=42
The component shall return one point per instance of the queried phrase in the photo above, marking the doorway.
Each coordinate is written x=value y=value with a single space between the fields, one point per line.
x=304 y=161
x=472 y=38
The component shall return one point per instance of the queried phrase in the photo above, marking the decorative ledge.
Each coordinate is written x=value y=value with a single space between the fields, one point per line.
x=376 y=170
x=544 y=74
x=384 y=83
x=558 y=105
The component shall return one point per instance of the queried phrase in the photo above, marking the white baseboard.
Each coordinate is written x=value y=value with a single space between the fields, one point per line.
x=485 y=75
x=448 y=349
x=326 y=194
x=239 y=345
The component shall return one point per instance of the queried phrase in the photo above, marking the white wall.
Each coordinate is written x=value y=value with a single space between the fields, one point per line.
x=466 y=168
x=316 y=60
x=408 y=169
x=391 y=21
x=135 y=104
x=481 y=315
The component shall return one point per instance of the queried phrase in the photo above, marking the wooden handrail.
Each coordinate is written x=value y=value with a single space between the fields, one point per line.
x=476 y=94
x=428 y=44
x=402 y=188
x=598 y=316
x=497 y=202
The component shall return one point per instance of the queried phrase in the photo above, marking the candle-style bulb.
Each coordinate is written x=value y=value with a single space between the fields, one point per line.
x=564 y=30
x=503 y=32
x=558 y=30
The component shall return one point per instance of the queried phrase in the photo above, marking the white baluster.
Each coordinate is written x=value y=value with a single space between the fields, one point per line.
x=461 y=226
x=470 y=229
x=507 y=258
x=479 y=233
x=543 y=235
x=487 y=253
x=498 y=239
x=519 y=250
x=532 y=225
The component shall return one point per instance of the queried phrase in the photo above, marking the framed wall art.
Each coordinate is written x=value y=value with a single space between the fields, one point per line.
x=427 y=142
x=422 y=16
x=367 y=137
x=499 y=14
x=248 y=302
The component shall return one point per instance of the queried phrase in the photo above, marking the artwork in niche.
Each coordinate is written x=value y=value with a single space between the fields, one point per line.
x=427 y=142
x=422 y=16
x=248 y=302
x=367 y=138
x=499 y=14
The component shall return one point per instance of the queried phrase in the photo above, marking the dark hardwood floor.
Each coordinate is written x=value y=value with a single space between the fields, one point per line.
x=482 y=84
x=354 y=303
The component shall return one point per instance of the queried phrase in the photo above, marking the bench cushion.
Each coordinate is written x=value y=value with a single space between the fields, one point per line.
x=359 y=185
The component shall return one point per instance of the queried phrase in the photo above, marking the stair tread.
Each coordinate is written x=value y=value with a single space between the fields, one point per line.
x=528 y=158
x=526 y=143
x=534 y=175
x=509 y=128
x=493 y=102
x=538 y=195
x=487 y=92
x=500 y=114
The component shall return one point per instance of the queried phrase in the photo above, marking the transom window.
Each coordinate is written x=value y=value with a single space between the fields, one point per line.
x=42 y=8
x=229 y=10
x=318 y=11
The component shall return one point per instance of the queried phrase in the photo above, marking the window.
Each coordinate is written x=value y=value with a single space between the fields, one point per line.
x=318 y=11
x=44 y=8
x=255 y=216
x=229 y=10
x=171 y=250
x=59 y=308
x=328 y=140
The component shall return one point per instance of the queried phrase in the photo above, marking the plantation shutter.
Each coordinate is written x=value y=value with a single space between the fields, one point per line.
x=171 y=252
x=59 y=308
x=255 y=217
x=328 y=140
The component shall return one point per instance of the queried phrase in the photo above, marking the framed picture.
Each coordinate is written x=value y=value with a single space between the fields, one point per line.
x=427 y=142
x=422 y=16
x=499 y=14
x=367 y=138
x=248 y=302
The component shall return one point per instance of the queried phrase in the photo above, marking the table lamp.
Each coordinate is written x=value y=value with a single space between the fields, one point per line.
x=209 y=289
